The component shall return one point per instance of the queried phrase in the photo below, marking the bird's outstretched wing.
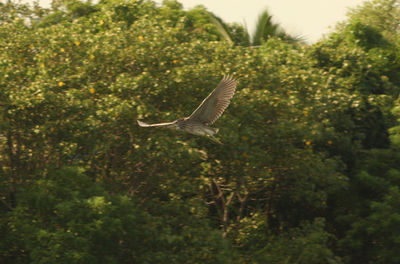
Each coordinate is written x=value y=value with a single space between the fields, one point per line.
x=216 y=102
x=143 y=124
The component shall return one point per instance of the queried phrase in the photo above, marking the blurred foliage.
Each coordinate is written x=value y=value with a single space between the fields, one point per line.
x=381 y=14
x=309 y=168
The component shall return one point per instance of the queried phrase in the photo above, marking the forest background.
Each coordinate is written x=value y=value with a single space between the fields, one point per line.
x=309 y=171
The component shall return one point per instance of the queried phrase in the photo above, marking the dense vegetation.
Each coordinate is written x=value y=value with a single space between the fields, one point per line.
x=309 y=171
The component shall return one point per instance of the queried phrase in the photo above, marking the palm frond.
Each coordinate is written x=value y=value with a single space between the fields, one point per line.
x=263 y=27
x=221 y=27
x=266 y=28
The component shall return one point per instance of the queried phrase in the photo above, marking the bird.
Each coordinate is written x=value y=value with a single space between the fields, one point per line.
x=211 y=108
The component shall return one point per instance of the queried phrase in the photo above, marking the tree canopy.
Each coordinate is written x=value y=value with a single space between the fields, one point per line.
x=309 y=171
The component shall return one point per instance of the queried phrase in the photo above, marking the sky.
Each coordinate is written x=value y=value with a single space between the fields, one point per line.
x=308 y=18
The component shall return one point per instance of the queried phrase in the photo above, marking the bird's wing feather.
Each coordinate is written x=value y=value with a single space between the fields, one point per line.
x=143 y=124
x=216 y=102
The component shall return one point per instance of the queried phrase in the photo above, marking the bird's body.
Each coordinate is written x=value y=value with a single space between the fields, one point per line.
x=196 y=128
x=212 y=107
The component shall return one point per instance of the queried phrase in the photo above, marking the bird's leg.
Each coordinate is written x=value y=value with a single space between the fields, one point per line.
x=215 y=139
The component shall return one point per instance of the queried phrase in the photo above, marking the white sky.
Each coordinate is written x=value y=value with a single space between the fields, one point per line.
x=309 y=18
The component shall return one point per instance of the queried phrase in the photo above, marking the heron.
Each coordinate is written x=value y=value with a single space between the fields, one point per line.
x=211 y=108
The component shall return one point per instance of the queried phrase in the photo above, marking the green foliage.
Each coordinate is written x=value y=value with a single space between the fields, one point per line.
x=382 y=227
x=308 y=172
x=365 y=36
x=307 y=243
x=395 y=131
x=379 y=175
x=239 y=34
x=65 y=217
x=375 y=237
x=381 y=14
x=265 y=29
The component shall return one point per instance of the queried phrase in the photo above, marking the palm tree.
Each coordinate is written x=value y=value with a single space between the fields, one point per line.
x=265 y=29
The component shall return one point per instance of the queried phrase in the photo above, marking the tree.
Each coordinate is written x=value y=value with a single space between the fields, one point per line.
x=381 y=14
x=307 y=172
x=395 y=131
x=67 y=218
x=265 y=29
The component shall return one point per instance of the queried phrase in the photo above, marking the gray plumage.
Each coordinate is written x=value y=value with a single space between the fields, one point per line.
x=206 y=113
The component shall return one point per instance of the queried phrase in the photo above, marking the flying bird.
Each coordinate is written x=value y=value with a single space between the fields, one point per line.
x=212 y=107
